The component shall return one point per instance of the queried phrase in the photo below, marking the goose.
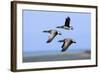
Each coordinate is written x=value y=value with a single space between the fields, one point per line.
x=66 y=43
x=67 y=24
x=53 y=34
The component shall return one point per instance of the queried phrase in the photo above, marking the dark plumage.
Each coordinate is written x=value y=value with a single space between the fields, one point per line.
x=66 y=25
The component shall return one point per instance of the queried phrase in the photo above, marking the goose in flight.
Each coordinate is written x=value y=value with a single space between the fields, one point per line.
x=53 y=34
x=66 y=43
x=66 y=25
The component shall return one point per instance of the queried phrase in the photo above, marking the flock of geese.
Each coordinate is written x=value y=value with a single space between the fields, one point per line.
x=66 y=41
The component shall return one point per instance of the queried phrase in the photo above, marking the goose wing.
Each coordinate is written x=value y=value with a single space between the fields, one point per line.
x=51 y=37
x=65 y=45
x=67 y=22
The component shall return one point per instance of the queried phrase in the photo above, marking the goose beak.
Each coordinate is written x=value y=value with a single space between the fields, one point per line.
x=74 y=42
x=59 y=33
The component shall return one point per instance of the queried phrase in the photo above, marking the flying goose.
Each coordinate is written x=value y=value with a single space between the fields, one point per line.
x=53 y=34
x=66 y=43
x=67 y=24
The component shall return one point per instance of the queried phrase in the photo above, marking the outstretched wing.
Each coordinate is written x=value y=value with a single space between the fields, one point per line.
x=63 y=49
x=67 y=22
x=51 y=37
x=46 y=31
x=65 y=45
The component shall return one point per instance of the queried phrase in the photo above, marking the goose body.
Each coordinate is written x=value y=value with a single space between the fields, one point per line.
x=66 y=44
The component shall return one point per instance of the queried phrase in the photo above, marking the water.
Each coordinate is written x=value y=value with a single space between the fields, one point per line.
x=55 y=56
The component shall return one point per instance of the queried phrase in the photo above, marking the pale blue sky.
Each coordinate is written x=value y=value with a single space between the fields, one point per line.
x=34 y=22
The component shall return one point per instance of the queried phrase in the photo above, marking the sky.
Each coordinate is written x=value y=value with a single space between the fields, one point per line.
x=34 y=22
